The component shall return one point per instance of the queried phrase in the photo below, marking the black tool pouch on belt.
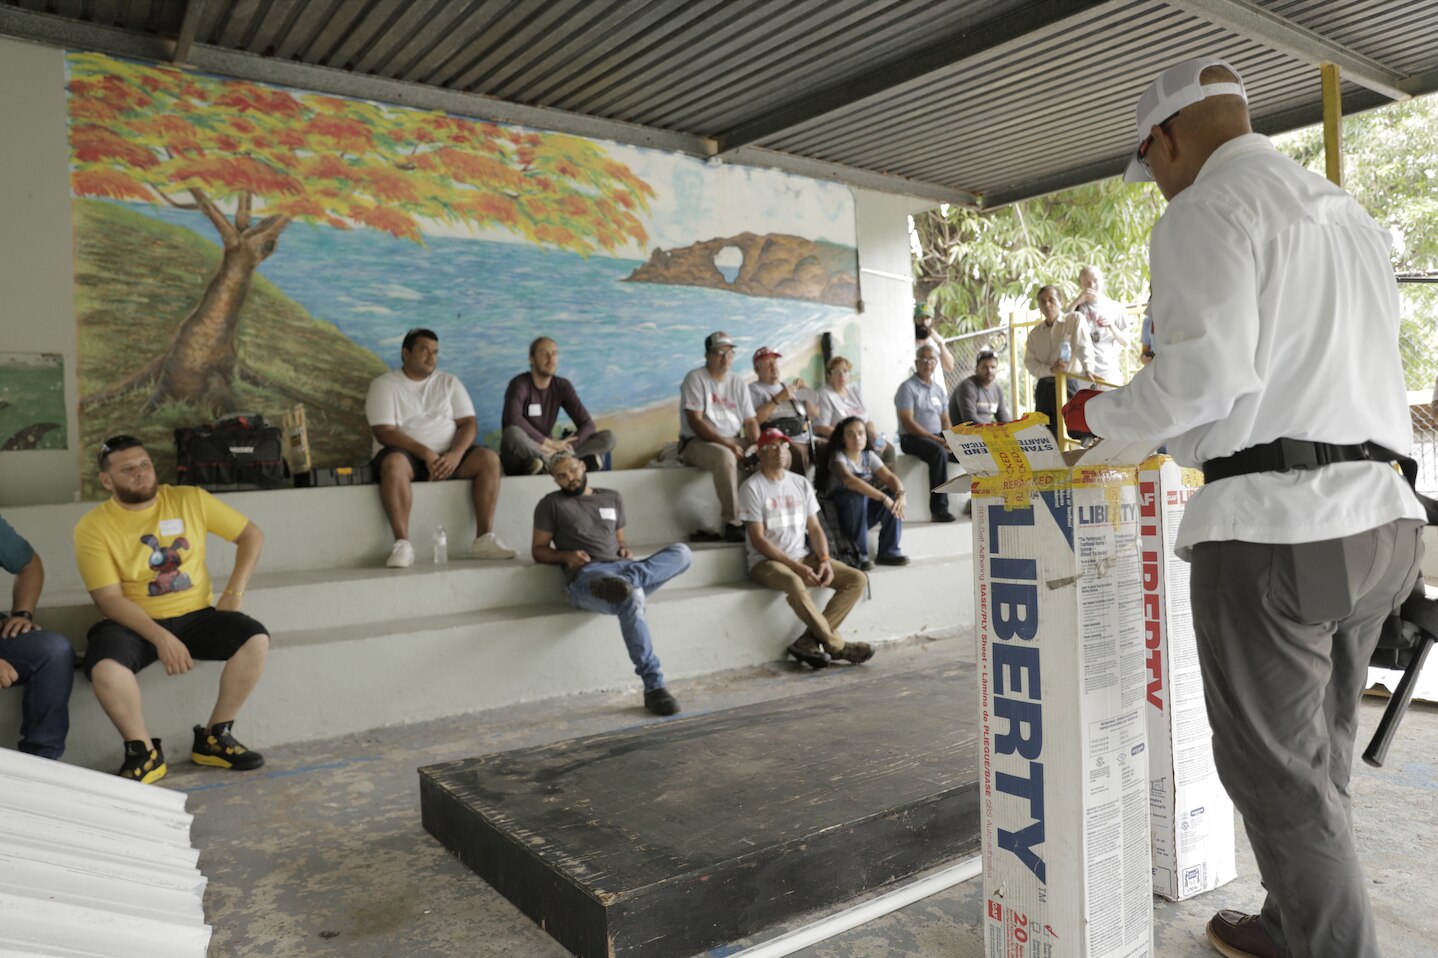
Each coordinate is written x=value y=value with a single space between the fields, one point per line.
x=793 y=426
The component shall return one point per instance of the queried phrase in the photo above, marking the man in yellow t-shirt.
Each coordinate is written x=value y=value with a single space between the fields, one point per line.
x=142 y=556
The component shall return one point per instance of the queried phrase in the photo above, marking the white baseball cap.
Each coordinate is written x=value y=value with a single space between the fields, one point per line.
x=1174 y=89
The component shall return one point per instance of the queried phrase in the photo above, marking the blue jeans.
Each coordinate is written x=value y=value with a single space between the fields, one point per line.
x=643 y=576
x=46 y=663
x=858 y=514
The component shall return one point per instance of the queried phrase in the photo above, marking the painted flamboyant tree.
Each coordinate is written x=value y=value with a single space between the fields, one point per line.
x=254 y=159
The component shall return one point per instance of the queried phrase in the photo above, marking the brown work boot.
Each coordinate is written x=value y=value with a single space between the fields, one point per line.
x=855 y=653
x=807 y=649
x=1236 y=935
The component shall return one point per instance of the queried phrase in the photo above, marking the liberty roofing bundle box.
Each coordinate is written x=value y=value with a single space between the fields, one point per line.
x=1191 y=813
x=1065 y=787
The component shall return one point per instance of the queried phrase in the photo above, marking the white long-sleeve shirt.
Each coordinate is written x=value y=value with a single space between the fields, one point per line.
x=1275 y=315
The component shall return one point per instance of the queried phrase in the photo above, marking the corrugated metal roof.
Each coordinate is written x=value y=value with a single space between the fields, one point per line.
x=91 y=864
x=952 y=99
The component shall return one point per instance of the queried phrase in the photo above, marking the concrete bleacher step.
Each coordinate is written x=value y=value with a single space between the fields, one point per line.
x=304 y=599
x=331 y=681
x=358 y=646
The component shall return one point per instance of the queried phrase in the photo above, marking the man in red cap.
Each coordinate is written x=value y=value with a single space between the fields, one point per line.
x=779 y=510
x=1276 y=369
x=789 y=409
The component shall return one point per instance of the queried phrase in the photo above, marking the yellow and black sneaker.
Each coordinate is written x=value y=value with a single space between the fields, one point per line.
x=216 y=746
x=143 y=763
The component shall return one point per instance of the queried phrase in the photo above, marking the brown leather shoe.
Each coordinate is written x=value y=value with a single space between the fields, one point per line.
x=1236 y=935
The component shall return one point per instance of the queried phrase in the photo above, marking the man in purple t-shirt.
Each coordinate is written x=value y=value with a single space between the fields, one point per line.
x=531 y=406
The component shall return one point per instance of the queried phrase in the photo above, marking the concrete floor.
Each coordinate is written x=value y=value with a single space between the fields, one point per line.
x=321 y=852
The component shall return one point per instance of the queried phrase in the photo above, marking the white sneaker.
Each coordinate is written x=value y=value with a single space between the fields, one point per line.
x=401 y=556
x=488 y=546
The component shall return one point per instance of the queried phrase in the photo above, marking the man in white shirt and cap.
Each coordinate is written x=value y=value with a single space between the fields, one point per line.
x=1276 y=369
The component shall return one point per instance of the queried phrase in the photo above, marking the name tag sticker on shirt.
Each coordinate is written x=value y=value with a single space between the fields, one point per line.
x=172 y=527
x=535 y=409
x=608 y=512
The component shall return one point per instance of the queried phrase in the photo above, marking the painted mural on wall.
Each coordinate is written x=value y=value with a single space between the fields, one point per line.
x=246 y=247
x=32 y=401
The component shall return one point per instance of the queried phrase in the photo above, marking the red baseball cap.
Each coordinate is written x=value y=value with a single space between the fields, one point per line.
x=770 y=436
x=764 y=352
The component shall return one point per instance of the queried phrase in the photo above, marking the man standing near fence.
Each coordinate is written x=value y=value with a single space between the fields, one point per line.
x=1276 y=369
x=1107 y=326
x=1059 y=344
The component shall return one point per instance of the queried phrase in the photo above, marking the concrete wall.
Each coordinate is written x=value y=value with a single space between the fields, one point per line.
x=887 y=291
x=37 y=310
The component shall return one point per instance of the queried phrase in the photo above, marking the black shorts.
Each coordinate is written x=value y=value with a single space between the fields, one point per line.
x=209 y=634
x=421 y=471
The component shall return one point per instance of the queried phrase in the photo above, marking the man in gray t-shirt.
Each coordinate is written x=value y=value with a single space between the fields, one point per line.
x=582 y=529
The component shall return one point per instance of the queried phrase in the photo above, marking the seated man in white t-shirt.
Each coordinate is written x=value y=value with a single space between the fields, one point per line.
x=787 y=551
x=424 y=428
x=716 y=424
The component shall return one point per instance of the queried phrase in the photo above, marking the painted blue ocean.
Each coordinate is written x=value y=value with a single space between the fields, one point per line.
x=624 y=345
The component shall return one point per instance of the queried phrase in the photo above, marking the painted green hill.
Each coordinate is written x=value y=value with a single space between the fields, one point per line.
x=127 y=316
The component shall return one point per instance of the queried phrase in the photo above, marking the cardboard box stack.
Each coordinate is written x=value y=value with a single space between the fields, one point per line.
x=1064 y=766
x=1192 y=817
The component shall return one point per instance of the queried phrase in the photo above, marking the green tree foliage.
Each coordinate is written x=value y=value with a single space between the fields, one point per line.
x=967 y=264
x=1390 y=165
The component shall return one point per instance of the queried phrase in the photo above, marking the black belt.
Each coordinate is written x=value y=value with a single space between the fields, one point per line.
x=1282 y=455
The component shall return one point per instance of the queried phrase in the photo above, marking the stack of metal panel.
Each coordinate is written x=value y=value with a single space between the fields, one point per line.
x=91 y=864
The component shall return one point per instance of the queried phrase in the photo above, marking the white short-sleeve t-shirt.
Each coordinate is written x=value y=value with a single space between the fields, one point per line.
x=783 y=507
x=426 y=411
x=835 y=407
x=724 y=404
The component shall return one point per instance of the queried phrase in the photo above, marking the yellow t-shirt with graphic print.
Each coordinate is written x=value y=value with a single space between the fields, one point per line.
x=156 y=555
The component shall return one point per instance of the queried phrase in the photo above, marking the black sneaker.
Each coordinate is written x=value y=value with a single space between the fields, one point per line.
x=143 y=764
x=807 y=649
x=611 y=589
x=733 y=533
x=897 y=558
x=661 y=702
x=865 y=565
x=217 y=747
x=592 y=463
x=704 y=535
x=944 y=516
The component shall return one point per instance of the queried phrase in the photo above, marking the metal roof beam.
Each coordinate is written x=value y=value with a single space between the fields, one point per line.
x=63 y=32
x=188 y=25
x=849 y=175
x=1301 y=43
x=1004 y=33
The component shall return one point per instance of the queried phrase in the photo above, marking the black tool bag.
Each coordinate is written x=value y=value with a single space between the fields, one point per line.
x=238 y=452
x=841 y=547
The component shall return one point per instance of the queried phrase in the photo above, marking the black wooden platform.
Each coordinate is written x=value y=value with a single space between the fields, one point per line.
x=674 y=837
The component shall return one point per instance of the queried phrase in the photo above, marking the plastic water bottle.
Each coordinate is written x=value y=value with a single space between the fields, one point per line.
x=441 y=546
x=1066 y=351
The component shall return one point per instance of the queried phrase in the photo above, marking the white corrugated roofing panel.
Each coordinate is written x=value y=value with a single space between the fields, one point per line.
x=91 y=864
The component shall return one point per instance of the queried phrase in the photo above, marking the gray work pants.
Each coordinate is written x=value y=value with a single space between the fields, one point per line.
x=517 y=448
x=1285 y=633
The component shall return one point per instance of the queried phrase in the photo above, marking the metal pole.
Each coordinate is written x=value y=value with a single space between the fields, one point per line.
x=1332 y=123
x=1061 y=395
x=1013 y=368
